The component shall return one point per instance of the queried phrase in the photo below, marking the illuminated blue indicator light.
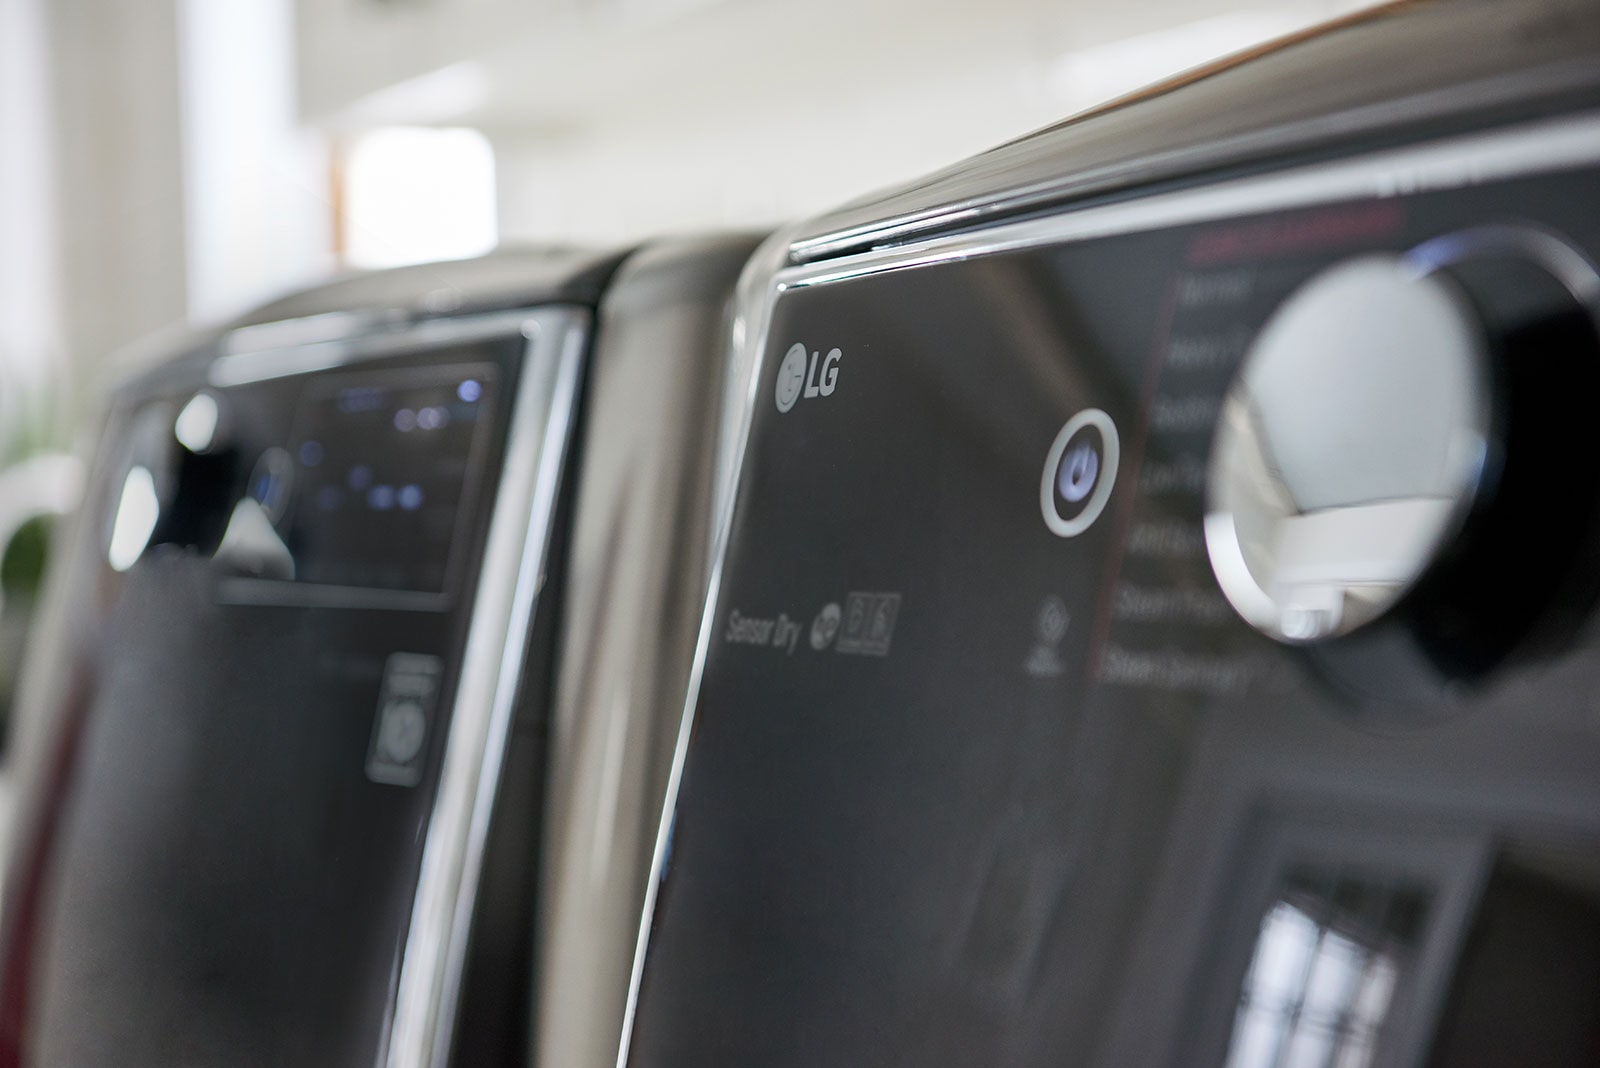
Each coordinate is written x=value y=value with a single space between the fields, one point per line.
x=380 y=498
x=311 y=454
x=405 y=420
x=360 y=477
x=1079 y=471
x=470 y=390
x=410 y=497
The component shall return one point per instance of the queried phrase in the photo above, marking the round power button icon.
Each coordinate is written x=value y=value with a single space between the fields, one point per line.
x=1079 y=473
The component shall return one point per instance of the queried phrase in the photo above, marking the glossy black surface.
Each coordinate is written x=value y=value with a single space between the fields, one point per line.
x=226 y=866
x=383 y=468
x=1044 y=800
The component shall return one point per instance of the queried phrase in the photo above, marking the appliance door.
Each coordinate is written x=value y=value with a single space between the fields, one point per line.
x=303 y=587
x=984 y=768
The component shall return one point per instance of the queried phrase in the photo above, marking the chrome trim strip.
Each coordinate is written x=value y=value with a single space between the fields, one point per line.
x=1565 y=263
x=1538 y=148
x=512 y=575
x=753 y=303
x=306 y=330
x=1056 y=193
x=751 y=311
x=244 y=366
x=1518 y=151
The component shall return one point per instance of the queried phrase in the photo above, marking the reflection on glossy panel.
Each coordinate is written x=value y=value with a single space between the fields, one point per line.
x=1324 y=972
x=1348 y=449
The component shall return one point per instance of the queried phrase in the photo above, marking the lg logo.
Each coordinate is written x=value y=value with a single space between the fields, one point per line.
x=797 y=378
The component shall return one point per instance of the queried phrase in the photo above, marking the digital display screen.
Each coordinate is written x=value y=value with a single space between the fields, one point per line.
x=382 y=471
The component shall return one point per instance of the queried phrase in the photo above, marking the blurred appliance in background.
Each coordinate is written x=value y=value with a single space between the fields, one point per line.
x=292 y=714
x=1155 y=623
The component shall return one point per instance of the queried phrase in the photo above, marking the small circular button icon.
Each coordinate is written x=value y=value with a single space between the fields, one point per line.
x=1079 y=473
x=1053 y=620
x=791 y=377
x=825 y=626
x=402 y=731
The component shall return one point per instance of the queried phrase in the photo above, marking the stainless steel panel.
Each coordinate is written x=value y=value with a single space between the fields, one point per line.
x=635 y=588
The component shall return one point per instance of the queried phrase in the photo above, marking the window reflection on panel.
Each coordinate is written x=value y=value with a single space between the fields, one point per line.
x=1322 y=977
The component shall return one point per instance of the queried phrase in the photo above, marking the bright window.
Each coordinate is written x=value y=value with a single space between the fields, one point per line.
x=415 y=194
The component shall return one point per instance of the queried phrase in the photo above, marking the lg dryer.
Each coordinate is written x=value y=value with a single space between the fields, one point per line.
x=1156 y=623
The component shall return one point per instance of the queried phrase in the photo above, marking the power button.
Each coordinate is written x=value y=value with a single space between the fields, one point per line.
x=1079 y=473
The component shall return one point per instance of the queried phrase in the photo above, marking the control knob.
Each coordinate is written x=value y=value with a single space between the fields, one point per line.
x=1393 y=446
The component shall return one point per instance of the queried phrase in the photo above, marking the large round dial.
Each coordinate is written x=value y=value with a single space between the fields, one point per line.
x=1393 y=437
x=1350 y=447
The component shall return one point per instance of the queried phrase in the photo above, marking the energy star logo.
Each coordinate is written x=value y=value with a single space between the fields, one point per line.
x=797 y=378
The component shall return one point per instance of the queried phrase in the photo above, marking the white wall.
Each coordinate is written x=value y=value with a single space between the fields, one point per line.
x=350 y=49
x=182 y=187
x=616 y=118
x=257 y=188
x=119 y=174
x=190 y=178
x=30 y=341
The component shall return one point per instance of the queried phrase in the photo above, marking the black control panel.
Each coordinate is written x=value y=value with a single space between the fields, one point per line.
x=278 y=577
x=986 y=767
